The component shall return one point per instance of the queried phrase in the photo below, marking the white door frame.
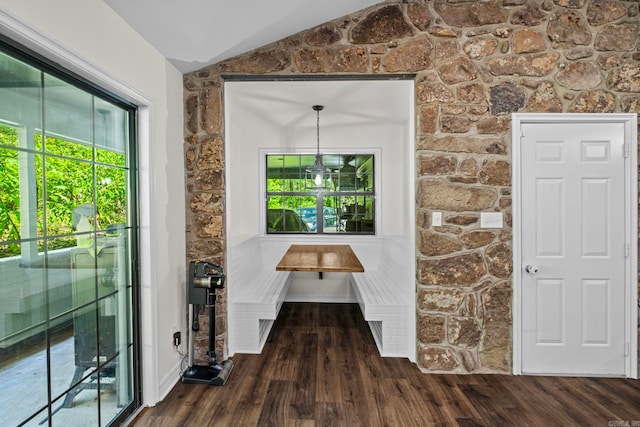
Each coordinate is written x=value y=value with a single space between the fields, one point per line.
x=631 y=220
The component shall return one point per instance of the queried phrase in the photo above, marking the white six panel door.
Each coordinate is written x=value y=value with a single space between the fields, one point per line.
x=573 y=240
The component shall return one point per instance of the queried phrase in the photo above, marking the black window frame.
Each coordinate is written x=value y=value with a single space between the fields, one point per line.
x=356 y=216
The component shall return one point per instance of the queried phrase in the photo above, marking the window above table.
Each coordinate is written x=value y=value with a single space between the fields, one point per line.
x=346 y=206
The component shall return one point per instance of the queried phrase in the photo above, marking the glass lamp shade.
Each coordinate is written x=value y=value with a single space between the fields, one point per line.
x=317 y=177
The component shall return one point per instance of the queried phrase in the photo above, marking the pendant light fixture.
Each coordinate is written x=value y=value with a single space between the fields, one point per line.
x=317 y=177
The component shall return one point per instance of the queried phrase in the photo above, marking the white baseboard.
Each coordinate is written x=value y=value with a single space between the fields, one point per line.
x=320 y=298
x=166 y=384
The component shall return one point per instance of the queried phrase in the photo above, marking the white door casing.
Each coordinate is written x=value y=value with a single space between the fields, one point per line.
x=574 y=194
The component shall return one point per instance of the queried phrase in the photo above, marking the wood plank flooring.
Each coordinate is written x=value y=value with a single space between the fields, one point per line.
x=320 y=367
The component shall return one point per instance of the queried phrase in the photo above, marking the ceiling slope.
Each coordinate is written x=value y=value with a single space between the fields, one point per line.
x=192 y=34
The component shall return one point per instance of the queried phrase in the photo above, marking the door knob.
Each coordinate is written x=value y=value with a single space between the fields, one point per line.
x=532 y=269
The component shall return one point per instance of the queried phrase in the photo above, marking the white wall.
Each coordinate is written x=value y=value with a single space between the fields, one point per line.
x=277 y=117
x=244 y=186
x=248 y=132
x=87 y=37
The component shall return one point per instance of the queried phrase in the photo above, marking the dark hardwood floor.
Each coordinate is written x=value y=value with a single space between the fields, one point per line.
x=320 y=367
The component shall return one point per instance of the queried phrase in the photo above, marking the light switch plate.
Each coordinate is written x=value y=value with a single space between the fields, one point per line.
x=436 y=219
x=491 y=220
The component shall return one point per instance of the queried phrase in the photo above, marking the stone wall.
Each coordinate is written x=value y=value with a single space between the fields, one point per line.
x=475 y=63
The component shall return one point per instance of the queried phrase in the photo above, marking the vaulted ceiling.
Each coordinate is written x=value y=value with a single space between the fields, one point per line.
x=192 y=34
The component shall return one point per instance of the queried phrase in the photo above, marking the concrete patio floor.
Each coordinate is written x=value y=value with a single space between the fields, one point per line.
x=24 y=387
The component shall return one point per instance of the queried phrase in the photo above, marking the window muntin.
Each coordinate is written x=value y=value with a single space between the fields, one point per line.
x=347 y=207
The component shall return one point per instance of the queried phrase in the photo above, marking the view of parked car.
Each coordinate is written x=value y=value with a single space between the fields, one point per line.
x=285 y=221
x=309 y=216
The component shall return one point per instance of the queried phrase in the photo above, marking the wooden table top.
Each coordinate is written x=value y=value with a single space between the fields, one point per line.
x=320 y=258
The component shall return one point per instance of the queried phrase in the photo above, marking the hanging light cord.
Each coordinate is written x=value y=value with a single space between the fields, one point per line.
x=318 y=129
x=318 y=108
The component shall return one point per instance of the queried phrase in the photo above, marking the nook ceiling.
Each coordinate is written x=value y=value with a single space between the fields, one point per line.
x=288 y=104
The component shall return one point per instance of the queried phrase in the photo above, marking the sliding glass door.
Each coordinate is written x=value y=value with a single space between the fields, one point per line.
x=68 y=241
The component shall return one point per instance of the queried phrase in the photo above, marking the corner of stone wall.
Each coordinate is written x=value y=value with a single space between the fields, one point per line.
x=204 y=166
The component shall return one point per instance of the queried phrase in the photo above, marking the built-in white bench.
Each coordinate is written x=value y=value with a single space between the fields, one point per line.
x=384 y=293
x=256 y=292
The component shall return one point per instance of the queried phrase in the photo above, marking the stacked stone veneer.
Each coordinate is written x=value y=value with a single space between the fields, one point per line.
x=474 y=64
